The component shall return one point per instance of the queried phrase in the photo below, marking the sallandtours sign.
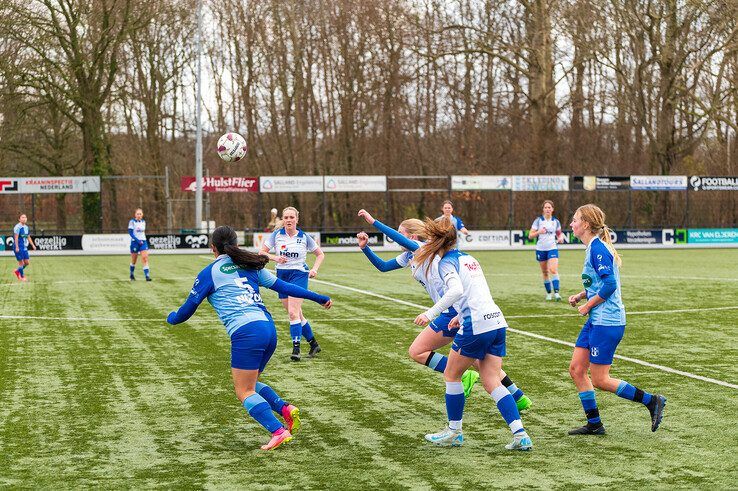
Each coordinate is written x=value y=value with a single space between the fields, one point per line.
x=49 y=185
x=222 y=184
x=713 y=183
x=658 y=183
x=600 y=183
x=348 y=239
x=178 y=241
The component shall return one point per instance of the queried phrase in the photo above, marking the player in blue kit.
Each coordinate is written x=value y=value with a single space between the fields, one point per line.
x=437 y=334
x=139 y=244
x=601 y=334
x=291 y=246
x=21 y=240
x=547 y=229
x=481 y=335
x=448 y=212
x=231 y=285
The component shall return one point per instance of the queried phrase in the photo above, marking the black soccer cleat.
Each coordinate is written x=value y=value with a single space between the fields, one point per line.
x=295 y=356
x=133 y=278
x=314 y=349
x=589 y=429
x=148 y=278
x=656 y=408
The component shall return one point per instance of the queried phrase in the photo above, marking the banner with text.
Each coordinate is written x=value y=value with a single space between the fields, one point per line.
x=484 y=239
x=597 y=183
x=540 y=183
x=658 y=183
x=293 y=184
x=713 y=183
x=178 y=241
x=43 y=185
x=335 y=184
x=348 y=239
x=220 y=184
x=712 y=236
x=478 y=183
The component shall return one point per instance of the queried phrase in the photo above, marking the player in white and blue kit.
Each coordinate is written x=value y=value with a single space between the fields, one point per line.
x=231 y=285
x=291 y=246
x=547 y=229
x=139 y=244
x=21 y=240
x=601 y=334
x=448 y=212
x=437 y=334
x=481 y=334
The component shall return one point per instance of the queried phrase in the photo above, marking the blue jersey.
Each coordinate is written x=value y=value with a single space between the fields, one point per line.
x=233 y=292
x=23 y=232
x=598 y=263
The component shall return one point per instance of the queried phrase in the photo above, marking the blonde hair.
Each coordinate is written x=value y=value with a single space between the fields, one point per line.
x=441 y=238
x=414 y=227
x=291 y=208
x=595 y=217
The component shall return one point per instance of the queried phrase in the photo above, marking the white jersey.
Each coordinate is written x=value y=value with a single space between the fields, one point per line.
x=139 y=228
x=294 y=248
x=478 y=312
x=547 y=241
x=431 y=281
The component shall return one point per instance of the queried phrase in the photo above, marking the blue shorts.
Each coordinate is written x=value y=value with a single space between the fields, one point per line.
x=480 y=345
x=542 y=256
x=252 y=345
x=440 y=324
x=601 y=341
x=22 y=255
x=136 y=248
x=295 y=276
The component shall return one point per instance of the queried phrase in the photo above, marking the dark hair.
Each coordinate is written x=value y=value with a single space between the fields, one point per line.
x=225 y=241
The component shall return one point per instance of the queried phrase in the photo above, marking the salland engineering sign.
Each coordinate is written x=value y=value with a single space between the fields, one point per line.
x=291 y=184
x=46 y=185
x=480 y=183
x=335 y=184
x=540 y=183
x=221 y=184
x=658 y=183
x=713 y=183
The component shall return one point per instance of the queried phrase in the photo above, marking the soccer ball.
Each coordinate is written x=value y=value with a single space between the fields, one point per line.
x=231 y=147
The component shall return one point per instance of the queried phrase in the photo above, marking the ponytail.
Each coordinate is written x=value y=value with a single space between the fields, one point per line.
x=225 y=241
x=441 y=238
x=605 y=237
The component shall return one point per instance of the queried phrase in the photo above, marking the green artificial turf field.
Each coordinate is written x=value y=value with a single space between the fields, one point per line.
x=97 y=390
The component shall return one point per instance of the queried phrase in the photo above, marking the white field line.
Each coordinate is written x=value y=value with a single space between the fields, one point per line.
x=566 y=343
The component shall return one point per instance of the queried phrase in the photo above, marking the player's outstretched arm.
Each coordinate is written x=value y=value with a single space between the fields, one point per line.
x=270 y=281
x=200 y=290
x=377 y=261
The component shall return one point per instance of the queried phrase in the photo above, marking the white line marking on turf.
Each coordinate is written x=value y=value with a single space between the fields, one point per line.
x=566 y=343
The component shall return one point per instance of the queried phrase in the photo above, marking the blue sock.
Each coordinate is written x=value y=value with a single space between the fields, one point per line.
x=455 y=404
x=556 y=283
x=20 y=271
x=295 y=331
x=272 y=398
x=507 y=407
x=146 y=271
x=590 y=407
x=627 y=391
x=259 y=409
x=307 y=331
x=436 y=362
x=133 y=268
x=547 y=284
x=512 y=388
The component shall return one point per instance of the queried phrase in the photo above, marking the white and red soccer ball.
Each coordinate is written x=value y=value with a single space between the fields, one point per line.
x=231 y=147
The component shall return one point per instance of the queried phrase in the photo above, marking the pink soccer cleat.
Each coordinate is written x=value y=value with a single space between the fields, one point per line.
x=17 y=275
x=291 y=415
x=278 y=438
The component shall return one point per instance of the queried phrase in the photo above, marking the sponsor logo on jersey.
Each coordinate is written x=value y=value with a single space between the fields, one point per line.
x=228 y=268
x=586 y=280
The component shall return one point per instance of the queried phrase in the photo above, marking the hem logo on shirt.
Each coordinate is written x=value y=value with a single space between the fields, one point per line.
x=586 y=280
